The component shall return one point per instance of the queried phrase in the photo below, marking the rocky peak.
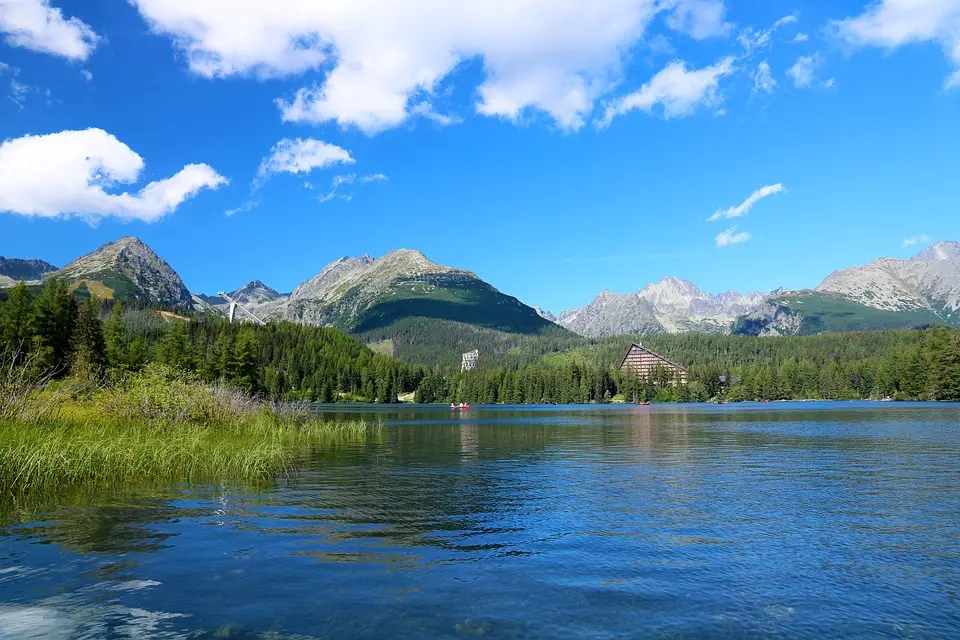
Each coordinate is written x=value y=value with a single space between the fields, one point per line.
x=255 y=291
x=947 y=250
x=128 y=263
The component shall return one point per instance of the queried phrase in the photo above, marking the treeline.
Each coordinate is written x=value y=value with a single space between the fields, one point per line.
x=55 y=332
x=904 y=365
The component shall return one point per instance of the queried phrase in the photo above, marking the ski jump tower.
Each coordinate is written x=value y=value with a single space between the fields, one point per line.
x=234 y=305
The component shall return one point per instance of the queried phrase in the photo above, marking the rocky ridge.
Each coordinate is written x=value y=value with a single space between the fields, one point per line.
x=671 y=305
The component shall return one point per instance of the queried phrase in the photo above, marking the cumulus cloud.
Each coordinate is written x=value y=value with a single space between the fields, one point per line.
x=730 y=236
x=699 y=19
x=677 y=89
x=763 y=80
x=35 y=25
x=300 y=155
x=70 y=174
x=893 y=23
x=915 y=240
x=744 y=207
x=380 y=57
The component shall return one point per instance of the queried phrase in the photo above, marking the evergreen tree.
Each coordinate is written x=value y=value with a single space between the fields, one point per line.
x=89 y=346
x=243 y=369
x=948 y=383
x=137 y=355
x=55 y=312
x=115 y=333
x=176 y=351
x=17 y=322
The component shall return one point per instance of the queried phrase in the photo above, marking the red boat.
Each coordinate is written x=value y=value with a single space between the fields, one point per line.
x=459 y=407
x=643 y=404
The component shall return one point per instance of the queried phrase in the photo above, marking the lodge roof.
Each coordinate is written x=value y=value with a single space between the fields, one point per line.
x=656 y=355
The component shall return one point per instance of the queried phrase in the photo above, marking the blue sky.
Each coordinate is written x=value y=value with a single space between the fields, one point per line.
x=555 y=150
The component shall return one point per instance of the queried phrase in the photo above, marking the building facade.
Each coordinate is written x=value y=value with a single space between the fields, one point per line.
x=648 y=365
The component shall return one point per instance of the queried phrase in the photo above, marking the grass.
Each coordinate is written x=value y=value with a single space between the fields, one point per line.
x=158 y=426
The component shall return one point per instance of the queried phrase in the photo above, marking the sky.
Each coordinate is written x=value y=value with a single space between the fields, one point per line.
x=554 y=148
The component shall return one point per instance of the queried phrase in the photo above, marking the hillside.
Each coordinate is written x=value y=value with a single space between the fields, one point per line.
x=887 y=293
x=364 y=294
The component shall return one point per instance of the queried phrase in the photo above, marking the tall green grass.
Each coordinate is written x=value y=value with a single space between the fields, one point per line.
x=159 y=425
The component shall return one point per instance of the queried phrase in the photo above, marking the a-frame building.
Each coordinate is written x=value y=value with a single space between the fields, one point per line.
x=645 y=363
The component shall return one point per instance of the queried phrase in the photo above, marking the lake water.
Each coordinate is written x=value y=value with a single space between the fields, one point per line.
x=738 y=521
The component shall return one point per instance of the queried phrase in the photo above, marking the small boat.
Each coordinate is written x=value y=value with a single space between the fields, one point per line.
x=721 y=402
x=459 y=407
x=643 y=404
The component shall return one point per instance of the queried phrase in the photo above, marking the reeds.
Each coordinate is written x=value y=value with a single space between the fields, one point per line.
x=159 y=425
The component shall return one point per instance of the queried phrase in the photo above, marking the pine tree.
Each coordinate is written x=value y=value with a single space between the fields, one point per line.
x=17 y=322
x=175 y=349
x=89 y=346
x=115 y=332
x=55 y=312
x=244 y=366
x=219 y=362
x=948 y=374
x=137 y=354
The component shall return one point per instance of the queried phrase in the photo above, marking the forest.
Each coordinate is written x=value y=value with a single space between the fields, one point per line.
x=285 y=361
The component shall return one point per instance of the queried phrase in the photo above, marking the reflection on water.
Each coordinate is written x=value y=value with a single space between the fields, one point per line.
x=793 y=520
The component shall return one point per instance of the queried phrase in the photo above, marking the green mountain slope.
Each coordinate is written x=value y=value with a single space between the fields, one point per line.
x=363 y=295
x=810 y=313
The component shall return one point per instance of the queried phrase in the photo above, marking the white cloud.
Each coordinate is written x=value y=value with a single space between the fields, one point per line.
x=380 y=57
x=915 y=240
x=427 y=110
x=678 y=90
x=349 y=179
x=752 y=40
x=35 y=25
x=699 y=19
x=69 y=174
x=730 y=236
x=763 y=80
x=893 y=23
x=300 y=155
x=86 y=75
x=744 y=207
x=804 y=71
x=249 y=205
x=801 y=38
x=18 y=92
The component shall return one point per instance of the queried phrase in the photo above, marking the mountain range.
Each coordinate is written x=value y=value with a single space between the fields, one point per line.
x=379 y=298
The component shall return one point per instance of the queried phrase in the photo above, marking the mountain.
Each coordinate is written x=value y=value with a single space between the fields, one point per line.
x=669 y=306
x=127 y=269
x=256 y=297
x=13 y=270
x=365 y=294
x=887 y=293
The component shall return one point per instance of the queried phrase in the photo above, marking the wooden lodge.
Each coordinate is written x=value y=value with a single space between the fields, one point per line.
x=646 y=364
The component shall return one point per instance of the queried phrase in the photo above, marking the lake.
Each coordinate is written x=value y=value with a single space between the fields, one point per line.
x=785 y=520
